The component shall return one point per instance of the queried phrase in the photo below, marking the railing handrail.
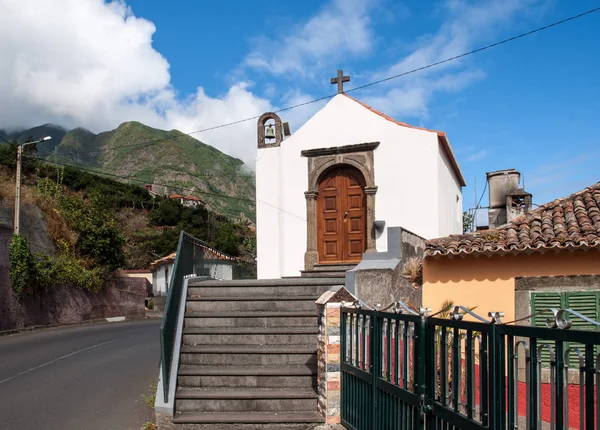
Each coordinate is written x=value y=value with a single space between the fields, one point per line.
x=166 y=348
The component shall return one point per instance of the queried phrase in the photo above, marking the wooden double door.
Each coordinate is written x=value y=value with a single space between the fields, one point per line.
x=341 y=216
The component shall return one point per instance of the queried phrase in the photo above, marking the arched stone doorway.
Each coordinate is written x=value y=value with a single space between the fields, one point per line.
x=341 y=211
x=320 y=162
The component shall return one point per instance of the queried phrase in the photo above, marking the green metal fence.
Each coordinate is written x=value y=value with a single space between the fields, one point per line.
x=190 y=260
x=414 y=371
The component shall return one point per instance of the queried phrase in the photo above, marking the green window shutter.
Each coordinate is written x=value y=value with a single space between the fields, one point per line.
x=587 y=304
x=542 y=303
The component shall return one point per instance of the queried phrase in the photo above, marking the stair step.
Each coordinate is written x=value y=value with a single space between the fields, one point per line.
x=333 y=267
x=246 y=400
x=247 y=377
x=258 y=304
x=246 y=371
x=298 y=286
x=248 y=283
x=277 y=418
x=252 y=319
x=250 y=330
x=250 y=335
x=335 y=274
x=250 y=314
x=235 y=355
x=216 y=394
x=249 y=298
x=234 y=349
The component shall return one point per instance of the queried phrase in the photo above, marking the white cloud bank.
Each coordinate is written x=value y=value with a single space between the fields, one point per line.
x=90 y=63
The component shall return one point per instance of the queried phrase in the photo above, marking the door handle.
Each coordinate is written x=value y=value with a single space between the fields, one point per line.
x=345 y=215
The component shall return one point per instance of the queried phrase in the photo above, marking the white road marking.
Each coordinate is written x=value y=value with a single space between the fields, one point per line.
x=54 y=361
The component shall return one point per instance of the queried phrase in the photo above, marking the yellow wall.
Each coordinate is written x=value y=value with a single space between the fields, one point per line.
x=489 y=282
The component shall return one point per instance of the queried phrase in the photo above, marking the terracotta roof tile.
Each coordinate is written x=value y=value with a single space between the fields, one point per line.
x=442 y=139
x=569 y=222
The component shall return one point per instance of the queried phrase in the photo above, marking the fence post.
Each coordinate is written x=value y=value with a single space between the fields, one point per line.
x=376 y=348
x=421 y=368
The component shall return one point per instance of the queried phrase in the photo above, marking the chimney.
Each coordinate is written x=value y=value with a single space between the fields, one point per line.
x=507 y=200
x=517 y=203
x=501 y=184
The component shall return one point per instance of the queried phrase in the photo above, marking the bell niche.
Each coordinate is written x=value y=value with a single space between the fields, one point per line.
x=270 y=131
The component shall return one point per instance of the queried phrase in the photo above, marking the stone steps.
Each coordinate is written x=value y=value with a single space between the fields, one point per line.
x=248 y=358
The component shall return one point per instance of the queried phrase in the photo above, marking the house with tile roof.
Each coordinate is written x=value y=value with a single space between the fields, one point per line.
x=187 y=201
x=329 y=192
x=215 y=264
x=548 y=257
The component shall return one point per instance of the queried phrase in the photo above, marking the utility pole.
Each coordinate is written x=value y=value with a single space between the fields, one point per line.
x=18 y=186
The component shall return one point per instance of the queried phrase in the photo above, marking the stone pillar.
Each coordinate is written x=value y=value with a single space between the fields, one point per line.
x=371 y=191
x=329 y=363
x=311 y=255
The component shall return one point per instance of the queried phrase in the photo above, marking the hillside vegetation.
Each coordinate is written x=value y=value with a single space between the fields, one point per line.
x=171 y=161
x=100 y=225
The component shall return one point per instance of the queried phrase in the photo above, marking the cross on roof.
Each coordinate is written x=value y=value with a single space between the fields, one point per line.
x=339 y=80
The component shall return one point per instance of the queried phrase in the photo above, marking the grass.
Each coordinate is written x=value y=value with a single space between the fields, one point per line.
x=150 y=398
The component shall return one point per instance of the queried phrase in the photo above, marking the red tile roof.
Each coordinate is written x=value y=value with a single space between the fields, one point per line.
x=442 y=139
x=175 y=196
x=566 y=223
x=209 y=254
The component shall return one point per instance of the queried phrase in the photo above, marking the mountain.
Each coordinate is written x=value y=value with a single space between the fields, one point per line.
x=173 y=162
x=56 y=132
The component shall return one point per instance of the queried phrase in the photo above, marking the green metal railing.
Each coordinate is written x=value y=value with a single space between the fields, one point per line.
x=413 y=371
x=190 y=260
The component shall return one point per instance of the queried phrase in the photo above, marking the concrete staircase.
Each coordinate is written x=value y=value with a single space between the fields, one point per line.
x=327 y=271
x=249 y=354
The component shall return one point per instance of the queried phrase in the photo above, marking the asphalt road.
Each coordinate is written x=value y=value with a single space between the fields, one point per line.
x=82 y=378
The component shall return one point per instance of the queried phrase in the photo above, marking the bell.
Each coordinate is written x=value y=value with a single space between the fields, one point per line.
x=269 y=132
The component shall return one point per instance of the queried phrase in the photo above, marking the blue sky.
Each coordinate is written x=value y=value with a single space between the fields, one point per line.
x=531 y=104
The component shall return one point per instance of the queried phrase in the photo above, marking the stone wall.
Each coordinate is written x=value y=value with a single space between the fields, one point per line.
x=61 y=305
x=378 y=278
x=134 y=285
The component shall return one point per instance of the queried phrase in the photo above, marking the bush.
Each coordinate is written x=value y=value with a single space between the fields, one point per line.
x=20 y=264
x=168 y=213
x=66 y=271
x=98 y=234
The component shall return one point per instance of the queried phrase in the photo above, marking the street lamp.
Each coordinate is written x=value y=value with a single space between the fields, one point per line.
x=18 y=189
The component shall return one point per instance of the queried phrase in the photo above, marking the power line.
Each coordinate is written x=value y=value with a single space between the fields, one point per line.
x=173 y=187
x=81 y=163
x=389 y=78
x=143 y=182
x=474 y=51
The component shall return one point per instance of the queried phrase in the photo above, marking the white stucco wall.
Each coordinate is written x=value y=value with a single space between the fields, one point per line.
x=449 y=198
x=407 y=172
x=161 y=278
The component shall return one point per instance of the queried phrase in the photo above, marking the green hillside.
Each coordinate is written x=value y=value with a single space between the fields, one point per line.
x=170 y=160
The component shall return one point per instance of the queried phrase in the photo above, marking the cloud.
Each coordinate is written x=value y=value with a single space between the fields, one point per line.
x=92 y=64
x=340 y=30
x=466 y=25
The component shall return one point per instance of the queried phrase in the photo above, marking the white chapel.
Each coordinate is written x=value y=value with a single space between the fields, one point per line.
x=328 y=193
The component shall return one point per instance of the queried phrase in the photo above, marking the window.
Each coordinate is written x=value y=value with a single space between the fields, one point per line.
x=585 y=302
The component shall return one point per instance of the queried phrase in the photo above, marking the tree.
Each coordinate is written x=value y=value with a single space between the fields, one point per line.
x=468 y=219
